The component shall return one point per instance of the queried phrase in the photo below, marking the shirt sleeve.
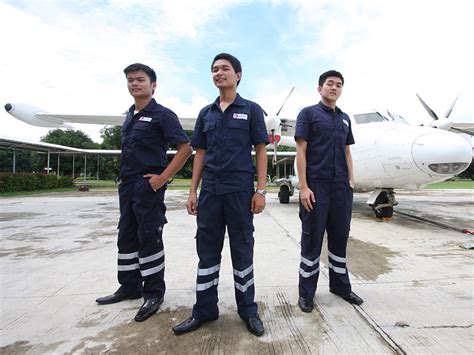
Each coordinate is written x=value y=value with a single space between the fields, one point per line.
x=258 y=129
x=350 y=138
x=303 y=126
x=198 y=139
x=172 y=129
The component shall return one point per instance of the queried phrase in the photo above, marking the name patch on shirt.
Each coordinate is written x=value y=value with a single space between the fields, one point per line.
x=347 y=123
x=145 y=119
x=240 y=116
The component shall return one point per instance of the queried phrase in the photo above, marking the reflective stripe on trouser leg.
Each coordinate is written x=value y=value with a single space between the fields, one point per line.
x=128 y=273
x=338 y=233
x=150 y=211
x=239 y=219
x=313 y=224
x=209 y=242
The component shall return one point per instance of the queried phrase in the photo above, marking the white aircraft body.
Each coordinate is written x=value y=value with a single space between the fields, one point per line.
x=389 y=153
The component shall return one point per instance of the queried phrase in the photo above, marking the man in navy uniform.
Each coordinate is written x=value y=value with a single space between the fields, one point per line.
x=148 y=131
x=223 y=137
x=323 y=137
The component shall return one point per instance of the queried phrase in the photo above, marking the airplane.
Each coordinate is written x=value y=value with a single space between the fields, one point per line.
x=389 y=153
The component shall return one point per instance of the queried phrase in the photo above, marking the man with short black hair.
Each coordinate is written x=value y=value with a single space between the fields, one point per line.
x=223 y=137
x=323 y=137
x=147 y=132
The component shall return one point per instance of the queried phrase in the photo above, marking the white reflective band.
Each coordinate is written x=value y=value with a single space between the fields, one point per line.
x=128 y=256
x=153 y=270
x=308 y=274
x=339 y=270
x=151 y=257
x=243 y=288
x=202 y=287
x=208 y=271
x=337 y=258
x=245 y=272
x=309 y=262
x=128 y=267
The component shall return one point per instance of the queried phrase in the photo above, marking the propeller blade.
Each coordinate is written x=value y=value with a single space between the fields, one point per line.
x=452 y=106
x=265 y=112
x=284 y=102
x=427 y=108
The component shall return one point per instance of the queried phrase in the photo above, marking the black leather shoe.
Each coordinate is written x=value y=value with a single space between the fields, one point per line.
x=149 y=308
x=118 y=297
x=255 y=325
x=190 y=324
x=351 y=298
x=305 y=304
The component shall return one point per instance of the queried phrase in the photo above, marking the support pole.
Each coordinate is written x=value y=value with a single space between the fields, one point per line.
x=73 y=161
x=85 y=166
x=57 y=170
x=49 y=159
x=98 y=164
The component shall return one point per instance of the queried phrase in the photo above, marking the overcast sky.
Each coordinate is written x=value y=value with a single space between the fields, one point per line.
x=67 y=56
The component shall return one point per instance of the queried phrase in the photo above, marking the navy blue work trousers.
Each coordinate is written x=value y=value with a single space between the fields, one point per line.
x=141 y=259
x=215 y=213
x=331 y=213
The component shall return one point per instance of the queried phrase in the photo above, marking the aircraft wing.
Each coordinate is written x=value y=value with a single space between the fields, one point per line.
x=463 y=127
x=288 y=127
x=110 y=120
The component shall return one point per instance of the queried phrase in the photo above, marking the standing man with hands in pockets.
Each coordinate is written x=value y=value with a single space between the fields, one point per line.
x=223 y=137
x=323 y=137
x=147 y=132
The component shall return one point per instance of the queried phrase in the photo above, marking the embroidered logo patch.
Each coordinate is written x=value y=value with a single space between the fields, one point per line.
x=240 y=116
x=347 y=123
x=145 y=119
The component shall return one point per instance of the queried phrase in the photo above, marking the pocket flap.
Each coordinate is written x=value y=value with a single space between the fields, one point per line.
x=155 y=225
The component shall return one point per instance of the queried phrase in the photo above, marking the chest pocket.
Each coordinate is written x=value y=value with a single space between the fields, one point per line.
x=238 y=132
x=209 y=130
x=322 y=131
x=143 y=132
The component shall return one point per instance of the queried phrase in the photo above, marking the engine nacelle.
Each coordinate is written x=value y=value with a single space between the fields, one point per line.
x=28 y=113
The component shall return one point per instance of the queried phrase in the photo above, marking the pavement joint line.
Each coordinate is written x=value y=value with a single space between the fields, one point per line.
x=396 y=348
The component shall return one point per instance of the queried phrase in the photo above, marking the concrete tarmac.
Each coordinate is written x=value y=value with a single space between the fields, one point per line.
x=58 y=254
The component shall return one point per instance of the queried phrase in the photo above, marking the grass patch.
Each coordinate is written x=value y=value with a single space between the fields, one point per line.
x=36 y=192
x=456 y=184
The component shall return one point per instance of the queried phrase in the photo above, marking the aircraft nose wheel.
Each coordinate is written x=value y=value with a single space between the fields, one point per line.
x=383 y=206
x=284 y=194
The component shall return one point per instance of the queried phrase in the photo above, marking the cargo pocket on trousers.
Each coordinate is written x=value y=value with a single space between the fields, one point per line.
x=248 y=235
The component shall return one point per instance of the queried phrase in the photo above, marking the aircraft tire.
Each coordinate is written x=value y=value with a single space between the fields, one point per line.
x=385 y=212
x=284 y=194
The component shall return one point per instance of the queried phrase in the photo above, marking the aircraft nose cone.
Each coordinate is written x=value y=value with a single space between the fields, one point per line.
x=441 y=153
x=8 y=107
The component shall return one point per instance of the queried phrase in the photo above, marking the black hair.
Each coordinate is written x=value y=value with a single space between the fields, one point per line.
x=329 y=73
x=234 y=62
x=142 y=67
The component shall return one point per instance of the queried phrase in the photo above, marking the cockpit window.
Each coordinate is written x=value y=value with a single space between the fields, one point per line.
x=397 y=118
x=368 y=118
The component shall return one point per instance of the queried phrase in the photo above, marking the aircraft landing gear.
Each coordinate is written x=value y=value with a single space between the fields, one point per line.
x=382 y=202
x=284 y=194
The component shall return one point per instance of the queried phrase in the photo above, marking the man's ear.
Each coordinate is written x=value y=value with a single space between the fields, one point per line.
x=153 y=86
x=320 y=89
x=239 y=76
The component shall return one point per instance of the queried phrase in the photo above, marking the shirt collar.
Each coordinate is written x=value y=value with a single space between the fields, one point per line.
x=327 y=108
x=238 y=101
x=147 y=108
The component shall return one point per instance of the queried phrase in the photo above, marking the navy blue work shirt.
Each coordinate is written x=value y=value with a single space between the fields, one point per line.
x=146 y=136
x=327 y=133
x=227 y=138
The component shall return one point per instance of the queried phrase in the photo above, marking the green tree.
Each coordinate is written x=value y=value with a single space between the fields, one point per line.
x=111 y=139
x=76 y=139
